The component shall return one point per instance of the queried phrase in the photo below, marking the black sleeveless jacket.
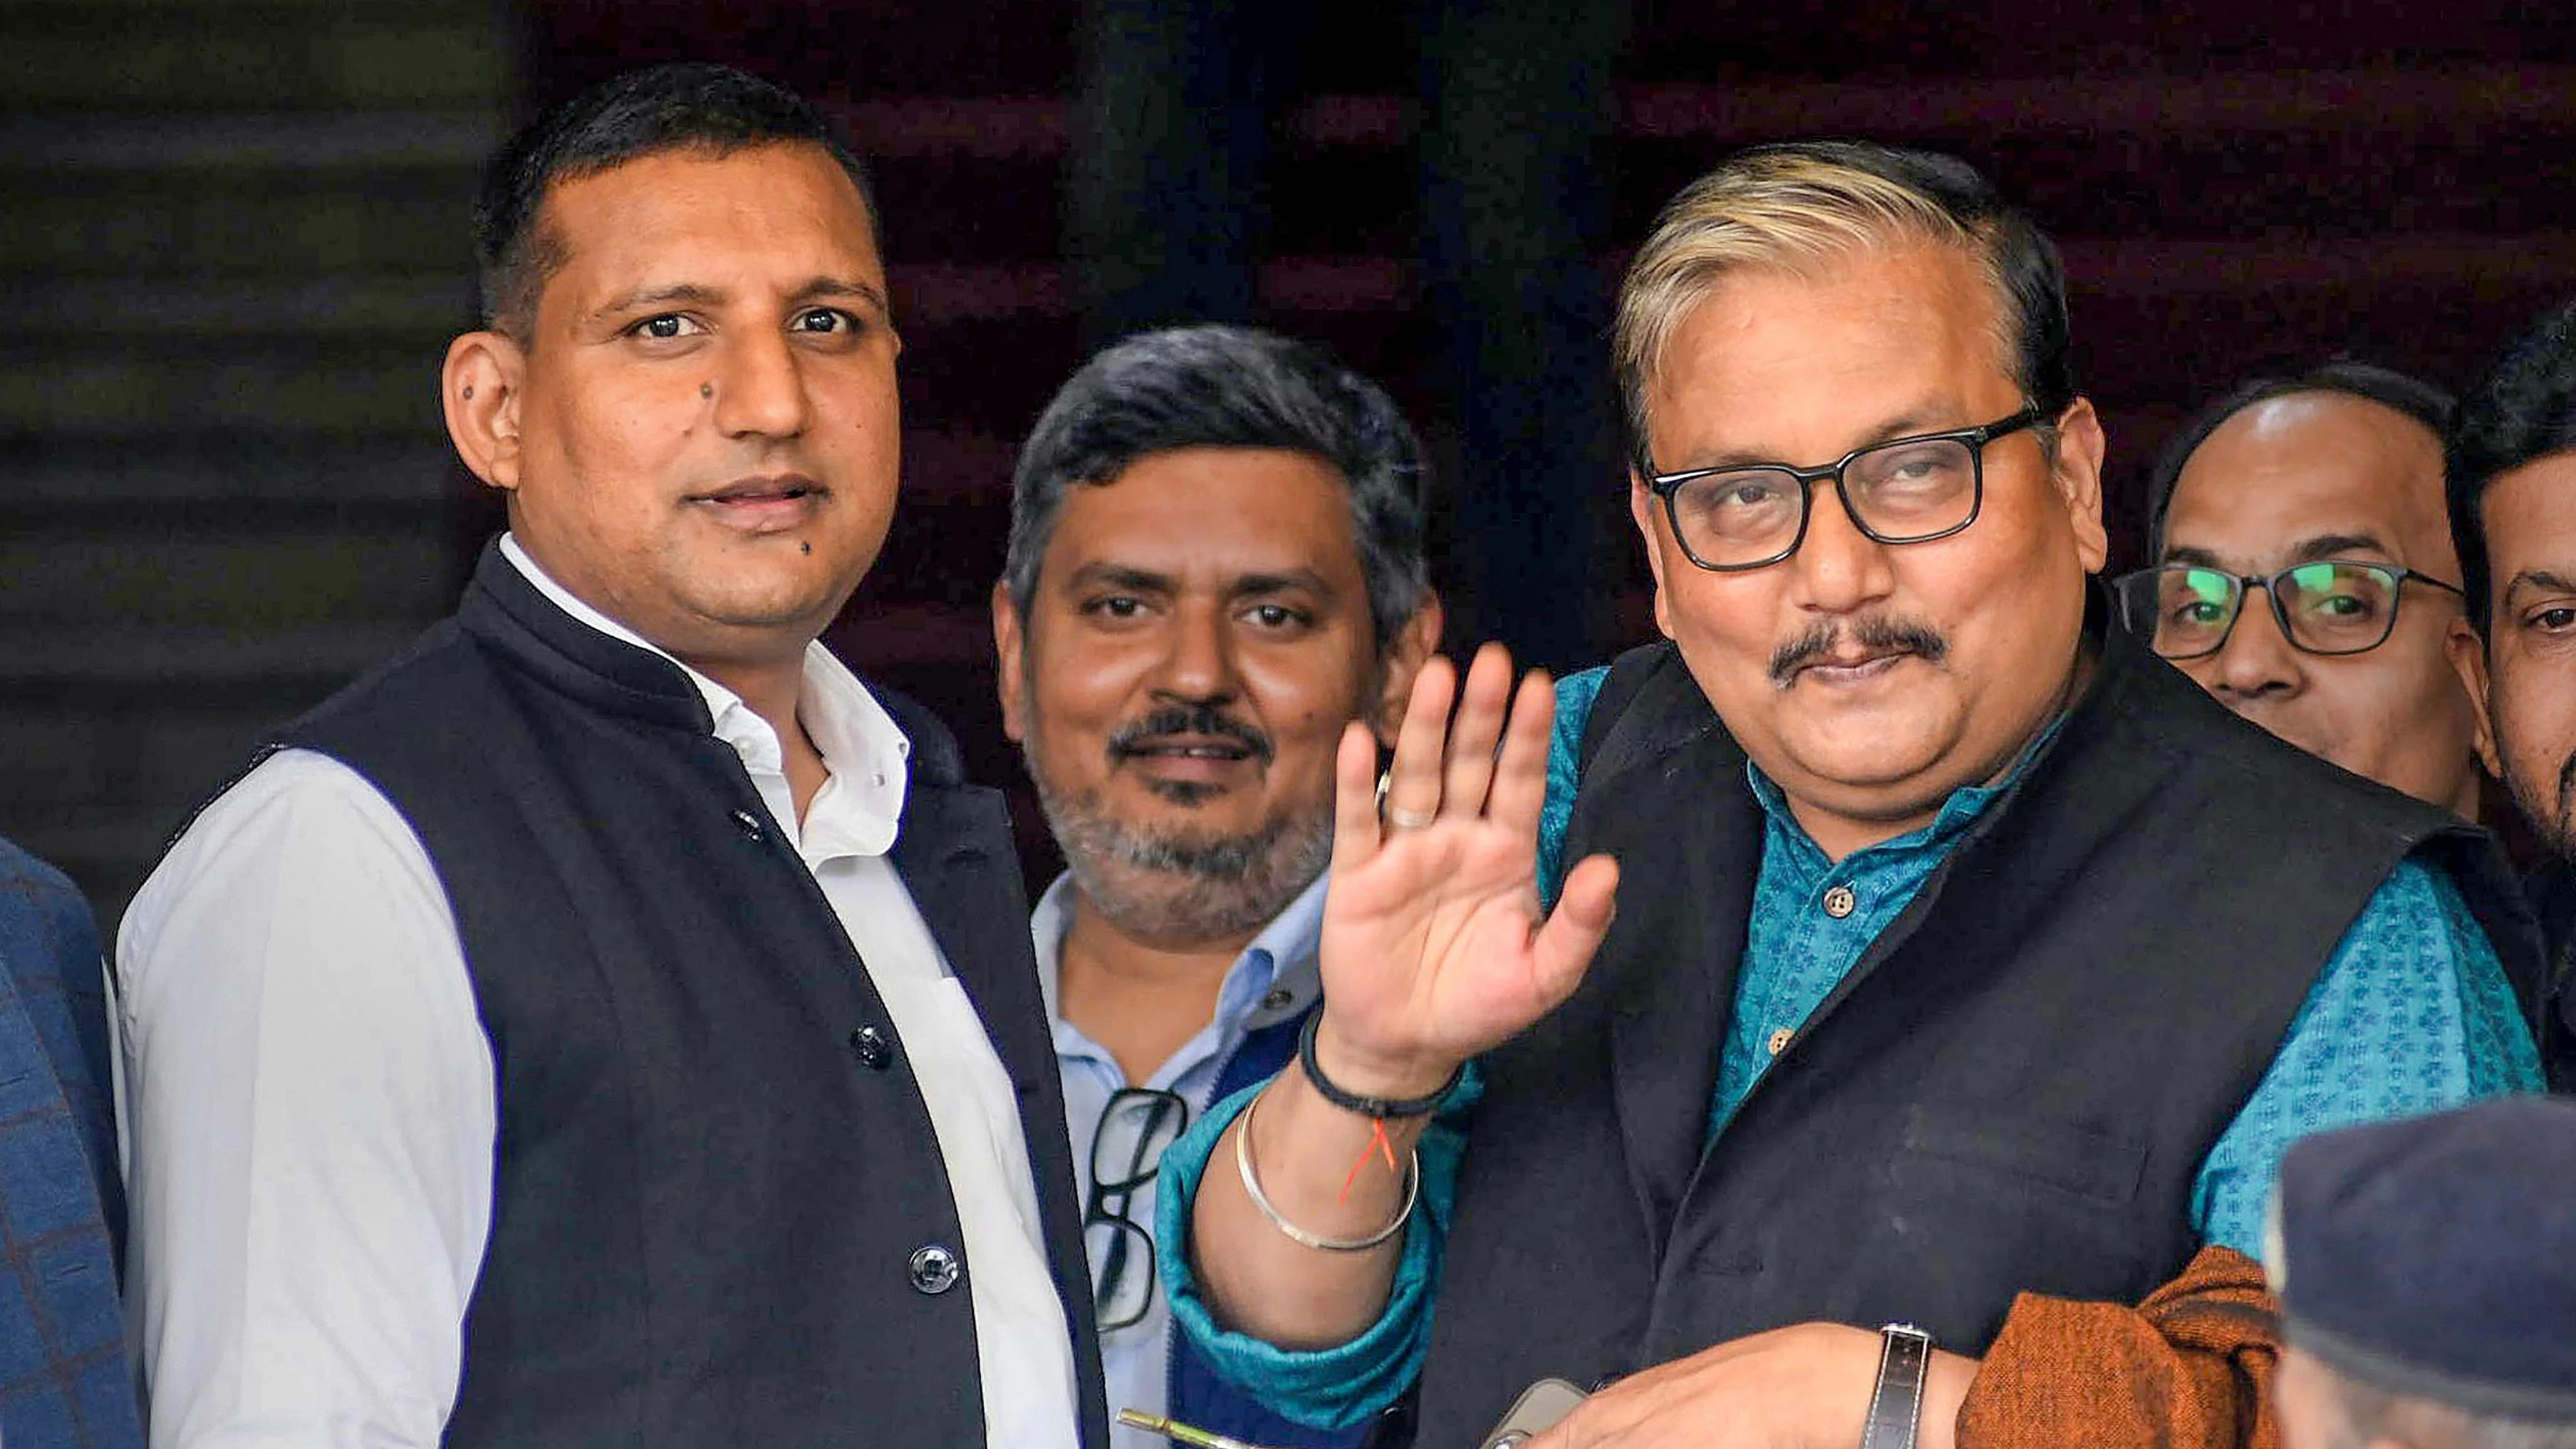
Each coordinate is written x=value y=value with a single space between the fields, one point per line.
x=709 y=1186
x=2012 y=1090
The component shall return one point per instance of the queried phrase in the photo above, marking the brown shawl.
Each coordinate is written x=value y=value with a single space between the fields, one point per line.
x=2190 y=1368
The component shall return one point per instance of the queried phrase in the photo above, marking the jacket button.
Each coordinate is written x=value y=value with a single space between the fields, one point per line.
x=934 y=1269
x=872 y=1049
x=1840 y=901
x=748 y=824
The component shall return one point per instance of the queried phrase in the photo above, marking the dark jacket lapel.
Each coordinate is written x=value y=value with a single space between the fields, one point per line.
x=1678 y=937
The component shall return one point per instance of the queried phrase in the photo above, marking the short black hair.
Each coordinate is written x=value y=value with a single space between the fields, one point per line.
x=2400 y=392
x=684 y=106
x=2523 y=409
x=1230 y=387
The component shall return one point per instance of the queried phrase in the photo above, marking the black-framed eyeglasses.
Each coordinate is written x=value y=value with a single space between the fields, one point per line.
x=2328 y=606
x=1905 y=490
x=1137 y=1124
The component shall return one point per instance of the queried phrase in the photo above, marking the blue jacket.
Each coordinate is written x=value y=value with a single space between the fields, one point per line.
x=63 y=1373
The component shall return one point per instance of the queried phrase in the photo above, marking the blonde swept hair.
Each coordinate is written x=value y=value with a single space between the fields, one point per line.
x=1791 y=205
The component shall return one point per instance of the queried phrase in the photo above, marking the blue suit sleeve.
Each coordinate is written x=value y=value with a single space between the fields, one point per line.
x=49 y=945
x=2412 y=1014
x=1575 y=694
x=1333 y=1388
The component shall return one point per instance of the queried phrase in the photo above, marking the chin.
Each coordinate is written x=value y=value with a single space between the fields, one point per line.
x=1867 y=771
x=1864 y=749
x=774 y=605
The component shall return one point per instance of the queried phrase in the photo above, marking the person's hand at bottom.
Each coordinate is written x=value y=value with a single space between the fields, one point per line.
x=1803 y=1387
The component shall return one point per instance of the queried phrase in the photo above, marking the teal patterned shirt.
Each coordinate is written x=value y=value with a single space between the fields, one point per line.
x=2411 y=1014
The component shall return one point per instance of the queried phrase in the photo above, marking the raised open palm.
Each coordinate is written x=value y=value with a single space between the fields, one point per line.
x=1434 y=948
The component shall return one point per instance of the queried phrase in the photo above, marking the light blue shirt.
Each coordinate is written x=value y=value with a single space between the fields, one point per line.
x=1275 y=977
x=2411 y=1014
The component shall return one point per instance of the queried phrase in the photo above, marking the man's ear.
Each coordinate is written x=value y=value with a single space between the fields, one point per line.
x=480 y=389
x=2080 y=447
x=1642 y=511
x=1414 y=645
x=1009 y=642
x=2468 y=654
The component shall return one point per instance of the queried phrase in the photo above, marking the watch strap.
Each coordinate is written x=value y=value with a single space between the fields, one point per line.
x=1896 y=1405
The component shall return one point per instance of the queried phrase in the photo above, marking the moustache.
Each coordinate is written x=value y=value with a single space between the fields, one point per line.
x=1205 y=720
x=1877 y=632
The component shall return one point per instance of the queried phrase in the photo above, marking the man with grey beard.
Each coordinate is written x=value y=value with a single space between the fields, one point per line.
x=1215 y=564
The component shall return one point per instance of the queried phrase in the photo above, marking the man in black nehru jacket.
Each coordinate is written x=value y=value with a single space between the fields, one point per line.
x=611 y=1023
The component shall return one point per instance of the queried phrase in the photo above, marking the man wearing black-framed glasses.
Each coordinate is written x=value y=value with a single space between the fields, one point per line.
x=2305 y=575
x=1967 y=959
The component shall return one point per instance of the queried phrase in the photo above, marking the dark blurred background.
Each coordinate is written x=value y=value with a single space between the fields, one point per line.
x=235 y=244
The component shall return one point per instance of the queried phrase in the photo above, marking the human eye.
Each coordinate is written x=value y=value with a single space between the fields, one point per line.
x=1114 y=607
x=1732 y=494
x=2340 y=593
x=824 y=321
x=2554 y=619
x=1277 y=618
x=1914 y=467
x=665 y=327
x=2196 y=597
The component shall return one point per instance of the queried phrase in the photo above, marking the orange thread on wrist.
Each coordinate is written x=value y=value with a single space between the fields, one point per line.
x=1379 y=1145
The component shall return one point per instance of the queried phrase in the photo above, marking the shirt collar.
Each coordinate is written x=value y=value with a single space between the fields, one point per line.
x=859 y=810
x=1276 y=977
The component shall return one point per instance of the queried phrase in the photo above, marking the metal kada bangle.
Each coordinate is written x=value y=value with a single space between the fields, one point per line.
x=1261 y=1200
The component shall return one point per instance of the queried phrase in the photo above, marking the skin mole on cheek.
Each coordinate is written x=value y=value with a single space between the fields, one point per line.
x=804 y=546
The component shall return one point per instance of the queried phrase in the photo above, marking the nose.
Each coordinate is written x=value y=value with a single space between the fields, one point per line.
x=760 y=391
x=1839 y=569
x=1198 y=667
x=2257 y=661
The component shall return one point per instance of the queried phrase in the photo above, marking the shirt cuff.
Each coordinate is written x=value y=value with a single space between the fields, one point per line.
x=1331 y=1388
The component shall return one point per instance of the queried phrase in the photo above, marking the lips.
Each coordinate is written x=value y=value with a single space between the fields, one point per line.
x=763 y=504
x=1853 y=668
x=1187 y=747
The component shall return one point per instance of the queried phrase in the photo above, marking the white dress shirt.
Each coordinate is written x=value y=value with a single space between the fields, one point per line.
x=311 y=1116
x=1275 y=978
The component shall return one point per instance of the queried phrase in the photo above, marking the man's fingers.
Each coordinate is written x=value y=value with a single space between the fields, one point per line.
x=1413 y=781
x=1520 y=775
x=1481 y=703
x=1573 y=931
x=1355 y=826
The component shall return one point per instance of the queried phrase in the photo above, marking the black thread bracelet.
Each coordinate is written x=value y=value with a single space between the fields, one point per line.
x=1377 y=1107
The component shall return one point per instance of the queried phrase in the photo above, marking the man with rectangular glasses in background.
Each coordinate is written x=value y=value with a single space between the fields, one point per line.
x=2320 y=493
x=1215 y=565
x=1971 y=970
